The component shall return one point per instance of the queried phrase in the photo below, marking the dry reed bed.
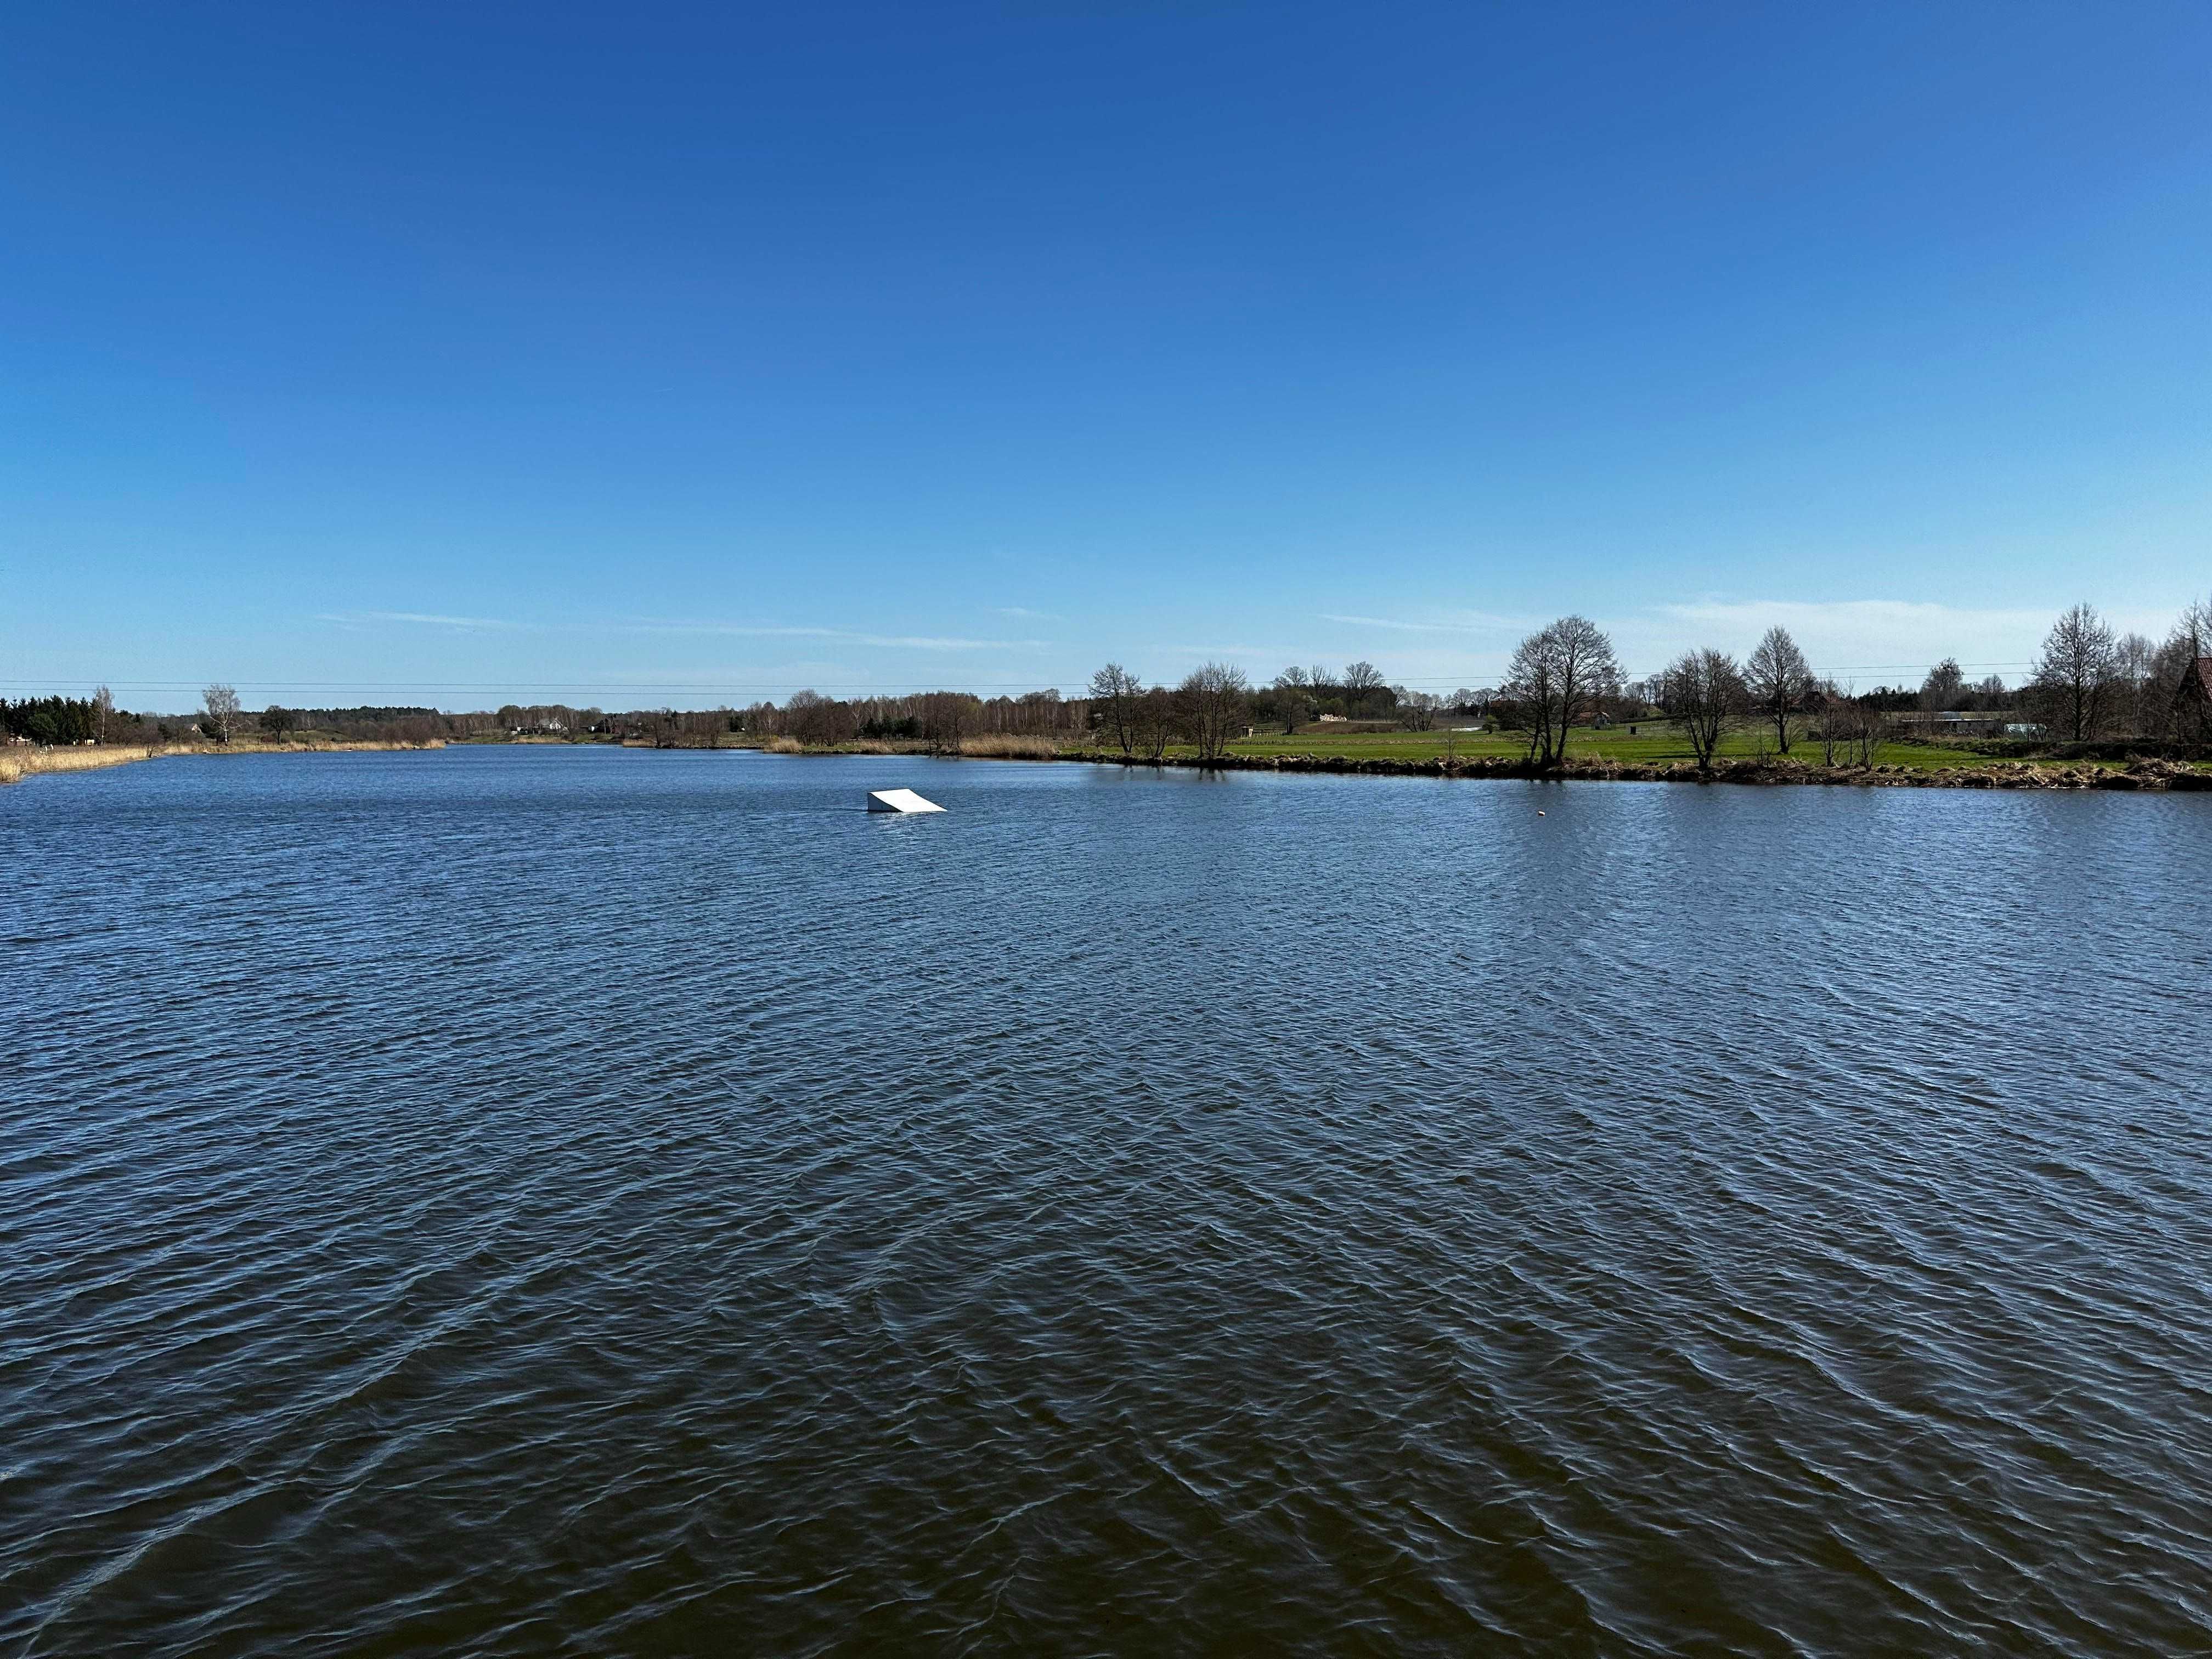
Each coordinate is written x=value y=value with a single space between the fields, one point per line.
x=991 y=746
x=16 y=764
x=1005 y=745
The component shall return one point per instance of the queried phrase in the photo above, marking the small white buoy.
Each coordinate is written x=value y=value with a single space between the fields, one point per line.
x=1540 y=811
x=900 y=800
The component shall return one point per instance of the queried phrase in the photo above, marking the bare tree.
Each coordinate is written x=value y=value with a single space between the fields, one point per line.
x=1361 y=681
x=2195 y=624
x=1850 y=727
x=945 y=717
x=1865 y=726
x=1555 y=675
x=1293 y=698
x=220 y=715
x=2074 y=677
x=1115 y=689
x=1529 y=698
x=818 y=720
x=1704 y=694
x=2181 y=698
x=1940 y=690
x=1778 y=680
x=1833 y=727
x=1034 y=713
x=1213 y=702
x=103 y=714
x=1152 y=722
x=1417 y=710
x=2135 y=679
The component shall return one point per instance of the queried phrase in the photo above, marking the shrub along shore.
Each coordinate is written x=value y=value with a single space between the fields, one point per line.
x=18 y=763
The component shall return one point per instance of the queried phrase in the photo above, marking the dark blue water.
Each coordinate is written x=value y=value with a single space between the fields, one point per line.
x=532 y=1201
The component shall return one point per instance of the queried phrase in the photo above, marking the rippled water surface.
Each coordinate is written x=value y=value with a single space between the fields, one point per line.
x=531 y=1201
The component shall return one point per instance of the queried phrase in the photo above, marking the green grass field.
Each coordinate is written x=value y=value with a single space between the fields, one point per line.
x=1651 y=745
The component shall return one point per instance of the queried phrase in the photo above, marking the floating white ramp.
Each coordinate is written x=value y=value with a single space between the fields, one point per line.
x=900 y=800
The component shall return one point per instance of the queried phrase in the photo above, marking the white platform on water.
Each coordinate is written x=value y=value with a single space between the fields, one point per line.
x=900 y=800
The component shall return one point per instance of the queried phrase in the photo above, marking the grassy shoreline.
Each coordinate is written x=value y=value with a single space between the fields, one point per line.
x=1391 y=755
x=2142 y=775
x=1924 y=769
x=16 y=764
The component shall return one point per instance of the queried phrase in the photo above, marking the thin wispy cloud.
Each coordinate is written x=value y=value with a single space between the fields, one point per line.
x=419 y=619
x=777 y=678
x=1196 y=653
x=1025 y=613
x=360 y=619
x=841 y=636
x=1454 y=622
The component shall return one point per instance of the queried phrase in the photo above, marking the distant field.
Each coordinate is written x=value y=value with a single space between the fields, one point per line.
x=1651 y=745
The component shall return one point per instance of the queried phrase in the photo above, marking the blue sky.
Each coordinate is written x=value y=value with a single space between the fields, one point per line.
x=672 y=352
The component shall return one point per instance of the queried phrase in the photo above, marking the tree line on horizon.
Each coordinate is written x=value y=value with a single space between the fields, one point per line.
x=2088 y=684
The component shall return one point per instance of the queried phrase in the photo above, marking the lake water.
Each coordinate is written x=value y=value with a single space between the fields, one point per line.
x=529 y=1201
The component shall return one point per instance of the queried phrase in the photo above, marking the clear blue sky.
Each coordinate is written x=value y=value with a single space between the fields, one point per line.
x=650 y=352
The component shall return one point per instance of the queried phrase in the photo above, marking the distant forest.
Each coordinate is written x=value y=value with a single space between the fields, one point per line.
x=2088 y=685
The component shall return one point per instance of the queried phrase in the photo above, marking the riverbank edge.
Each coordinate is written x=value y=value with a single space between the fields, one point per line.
x=2152 y=773
x=2142 y=775
x=16 y=764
